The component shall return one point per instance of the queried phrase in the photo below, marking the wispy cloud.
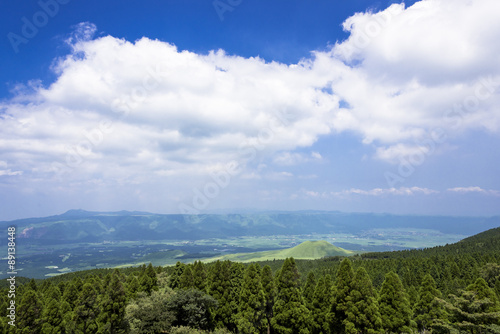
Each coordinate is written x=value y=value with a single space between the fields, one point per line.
x=294 y=158
x=465 y=190
x=9 y=172
x=387 y=191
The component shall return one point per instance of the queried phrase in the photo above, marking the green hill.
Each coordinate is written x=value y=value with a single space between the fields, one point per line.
x=308 y=250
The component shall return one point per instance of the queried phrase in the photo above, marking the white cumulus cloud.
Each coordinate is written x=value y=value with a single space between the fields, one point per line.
x=122 y=108
x=409 y=73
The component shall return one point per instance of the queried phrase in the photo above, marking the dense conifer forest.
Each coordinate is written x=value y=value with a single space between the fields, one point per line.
x=447 y=289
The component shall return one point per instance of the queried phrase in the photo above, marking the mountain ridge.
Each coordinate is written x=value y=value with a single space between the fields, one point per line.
x=87 y=226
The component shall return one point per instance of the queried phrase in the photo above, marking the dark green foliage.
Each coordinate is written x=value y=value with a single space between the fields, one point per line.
x=362 y=309
x=86 y=310
x=394 y=306
x=308 y=290
x=4 y=326
x=199 y=276
x=68 y=324
x=29 y=313
x=428 y=309
x=491 y=274
x=291 y=316
x=148 y=280
x=186 y=281
x=251 y=318
x=174 y=281
x=32 y=285
x=269 y=289
x=149 y=314
x=192 y=308
x=343 y=288
x=321 y=305
x=52 y=316
x=112 y=310
x=475 y=310
x=132 y=286
x=219 y=288
x=237 y=272
x=70 y=294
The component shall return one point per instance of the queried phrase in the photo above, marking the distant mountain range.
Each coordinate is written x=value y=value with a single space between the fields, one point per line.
x=78 y=226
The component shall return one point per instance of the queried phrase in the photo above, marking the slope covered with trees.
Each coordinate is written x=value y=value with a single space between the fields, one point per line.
x=449 y=289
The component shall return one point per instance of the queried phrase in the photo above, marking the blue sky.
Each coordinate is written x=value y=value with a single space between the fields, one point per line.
x=202 y=106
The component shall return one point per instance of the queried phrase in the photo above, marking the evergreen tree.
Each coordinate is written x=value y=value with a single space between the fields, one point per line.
x=68 y=324
x=133 y=286
x=269 y=294
x=291 y=316
x=199 y=276
x=491 y=273
x=145 y=284
x=186 y=281
x=174 y=281
x=78 y=283
x=362 y=311
x=70 y=294
x=428 y=309
x=86 y=310
x=151 y=272
x=112 y=316
x=97 y=283
x=394 y=306
x=148 y=280
x=343 y=288
x=159 y=269
x=32 y=285
x=29 y=313
x=412 y=293
x=219 y=288
x=309 y=289
x=258 y=269
x=61 y=286
x=251 y=316
x=476 y=310
x=103 y=283
x=321 y=305
x=237 y=270
x=52 y=317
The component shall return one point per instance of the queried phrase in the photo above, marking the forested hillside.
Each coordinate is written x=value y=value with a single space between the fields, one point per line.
x=449 y=289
